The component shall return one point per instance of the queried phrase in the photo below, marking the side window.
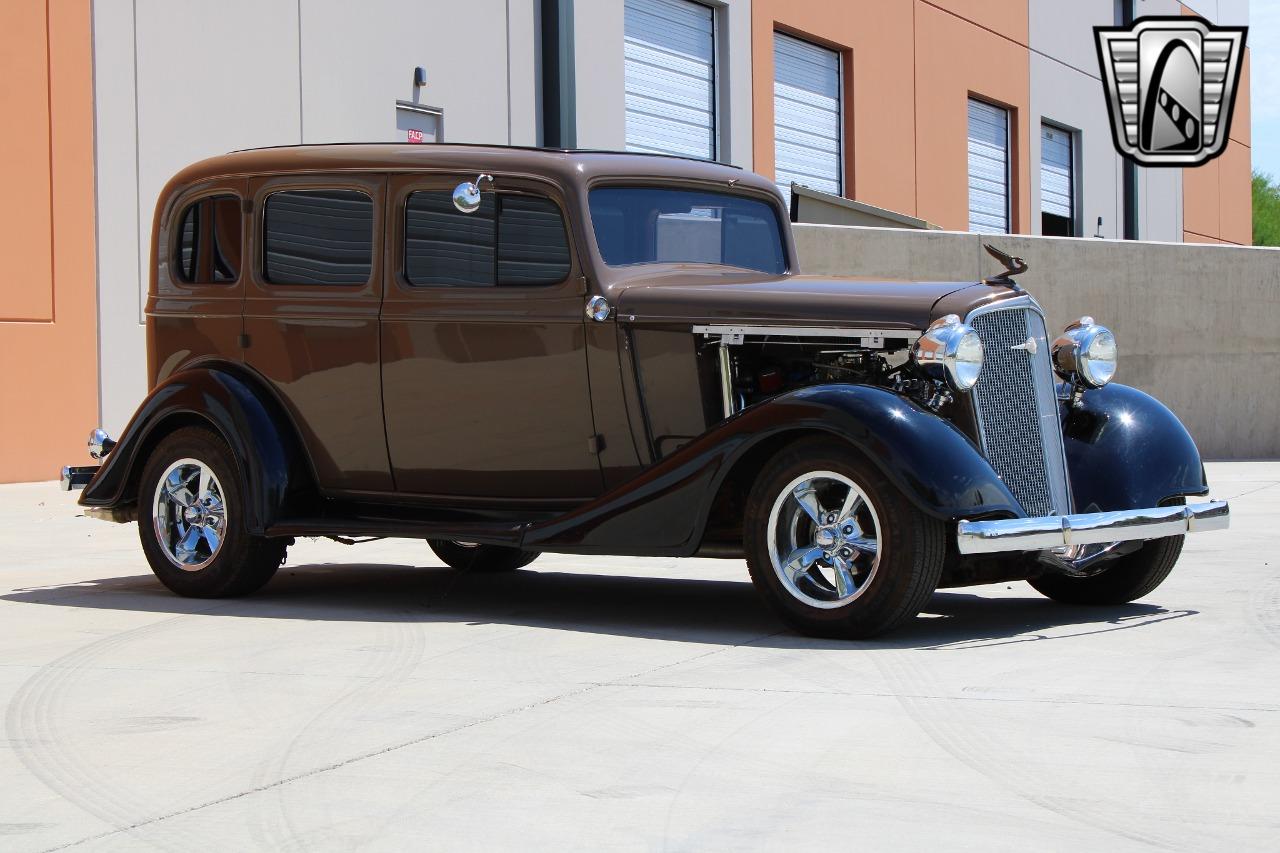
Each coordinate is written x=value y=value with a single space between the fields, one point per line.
x=532 y=245
x=317 y=237
x=208 y=250
x=445 y=247
x=511 y=240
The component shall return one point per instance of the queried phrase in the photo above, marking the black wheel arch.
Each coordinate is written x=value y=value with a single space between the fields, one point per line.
x=274 y=468
x=668 y=509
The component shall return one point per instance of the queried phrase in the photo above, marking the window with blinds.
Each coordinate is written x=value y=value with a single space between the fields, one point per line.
x=1057 y=182
x=988 y=167
x=806 y=115
x=669 y=67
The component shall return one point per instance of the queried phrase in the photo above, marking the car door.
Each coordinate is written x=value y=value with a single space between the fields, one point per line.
x=311 y=318
x=484 y=369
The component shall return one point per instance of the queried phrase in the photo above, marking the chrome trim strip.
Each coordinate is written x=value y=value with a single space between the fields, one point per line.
x=869 y=337
x=726 y=379
x=1092 y=528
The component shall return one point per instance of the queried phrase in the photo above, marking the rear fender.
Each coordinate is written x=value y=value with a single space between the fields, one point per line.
x=260 y=436
x=664 y=510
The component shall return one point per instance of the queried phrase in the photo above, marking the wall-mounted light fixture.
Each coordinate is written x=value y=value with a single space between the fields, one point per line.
x=419 y=77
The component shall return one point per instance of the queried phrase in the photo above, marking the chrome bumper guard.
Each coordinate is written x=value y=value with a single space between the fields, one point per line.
x=1092 y=528
x=76 y=476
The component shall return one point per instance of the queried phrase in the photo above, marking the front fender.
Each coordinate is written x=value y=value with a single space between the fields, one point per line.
x=258 y=434
x=1126 y=450
x=664 y=510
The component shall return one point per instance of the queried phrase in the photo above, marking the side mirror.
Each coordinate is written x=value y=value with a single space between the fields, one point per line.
x=466 y=195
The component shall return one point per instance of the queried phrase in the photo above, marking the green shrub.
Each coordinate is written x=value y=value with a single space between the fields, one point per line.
x=1266 y=210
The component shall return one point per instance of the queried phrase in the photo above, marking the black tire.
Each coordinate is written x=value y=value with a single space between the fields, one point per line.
x=242 y=563
x=468 y=557
x=912 y=546
x=1125 y=579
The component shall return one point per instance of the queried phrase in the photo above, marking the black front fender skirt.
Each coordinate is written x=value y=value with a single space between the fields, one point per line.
x=258 y=434
x=664 y=510
x=1126 y=450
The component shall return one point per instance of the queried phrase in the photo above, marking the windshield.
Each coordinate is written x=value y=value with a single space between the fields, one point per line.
x=655 y=225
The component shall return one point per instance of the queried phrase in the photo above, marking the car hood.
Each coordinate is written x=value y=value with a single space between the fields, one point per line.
x=798 y=300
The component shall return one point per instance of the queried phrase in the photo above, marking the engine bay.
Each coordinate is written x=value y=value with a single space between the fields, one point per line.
x=762 y=368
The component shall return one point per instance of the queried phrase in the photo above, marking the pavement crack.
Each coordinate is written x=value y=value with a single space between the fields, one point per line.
x=316 y=771
x=356 y=759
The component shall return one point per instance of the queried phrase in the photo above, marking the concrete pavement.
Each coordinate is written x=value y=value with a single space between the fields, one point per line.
x=369 y=699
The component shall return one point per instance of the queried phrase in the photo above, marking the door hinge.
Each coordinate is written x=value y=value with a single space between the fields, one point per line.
x=243 y=341
x=595 y=444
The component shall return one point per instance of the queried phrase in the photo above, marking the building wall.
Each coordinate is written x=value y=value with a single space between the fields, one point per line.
x=48 y=306
x=275 y=74
x=958 y=58
x=910 y=65
x=879 y=84
x=1219 y=195
x=157 y=84
x=600 y=110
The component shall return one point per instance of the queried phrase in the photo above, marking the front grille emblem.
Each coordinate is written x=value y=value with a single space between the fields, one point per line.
x=1029 y=346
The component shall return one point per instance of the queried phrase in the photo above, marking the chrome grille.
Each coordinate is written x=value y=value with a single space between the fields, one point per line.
x=1017 y=408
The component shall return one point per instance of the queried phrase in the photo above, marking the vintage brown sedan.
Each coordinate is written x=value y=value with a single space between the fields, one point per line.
x=508 y=351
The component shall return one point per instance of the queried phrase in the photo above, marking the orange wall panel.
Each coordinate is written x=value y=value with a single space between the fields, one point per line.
x=876 y=40
x=27 y=289
x=1009 y=18
x=1201 y=213
x=1217 y=198
x=48 y=406
x=954 y=60
x=1235 y=194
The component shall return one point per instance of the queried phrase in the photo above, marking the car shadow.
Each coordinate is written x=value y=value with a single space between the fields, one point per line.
x=719 y=612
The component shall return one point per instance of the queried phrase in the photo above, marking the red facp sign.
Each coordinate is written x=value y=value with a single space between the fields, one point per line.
x=415 y=135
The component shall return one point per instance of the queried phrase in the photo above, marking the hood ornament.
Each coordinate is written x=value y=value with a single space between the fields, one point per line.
x=1012 y=266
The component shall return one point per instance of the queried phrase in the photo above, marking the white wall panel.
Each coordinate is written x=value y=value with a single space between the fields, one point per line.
x=358 y=60
x=179 y=80
x=1064 y=96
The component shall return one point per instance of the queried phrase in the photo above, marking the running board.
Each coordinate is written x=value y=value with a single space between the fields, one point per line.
x=392 y=521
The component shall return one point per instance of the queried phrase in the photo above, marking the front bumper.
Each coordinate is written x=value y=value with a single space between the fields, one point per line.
x=1091 y=528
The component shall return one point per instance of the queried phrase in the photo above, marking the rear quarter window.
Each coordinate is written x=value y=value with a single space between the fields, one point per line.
x=209 y=241
x=317 y=237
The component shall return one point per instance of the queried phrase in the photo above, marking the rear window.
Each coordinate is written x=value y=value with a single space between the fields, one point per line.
x=512 y=240
x=208 y=249
x=320 y=237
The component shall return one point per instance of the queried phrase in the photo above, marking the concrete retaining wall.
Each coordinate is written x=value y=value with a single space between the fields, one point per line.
x=1198 y=326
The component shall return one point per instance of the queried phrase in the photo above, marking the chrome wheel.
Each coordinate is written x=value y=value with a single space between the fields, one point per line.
x=190 y=514
x=824 y=539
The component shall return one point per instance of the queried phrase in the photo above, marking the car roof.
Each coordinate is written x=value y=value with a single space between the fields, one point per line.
x=568 y=166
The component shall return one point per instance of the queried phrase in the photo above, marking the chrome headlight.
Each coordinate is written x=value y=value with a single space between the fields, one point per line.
x=949 y=349
x=1085 y=352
